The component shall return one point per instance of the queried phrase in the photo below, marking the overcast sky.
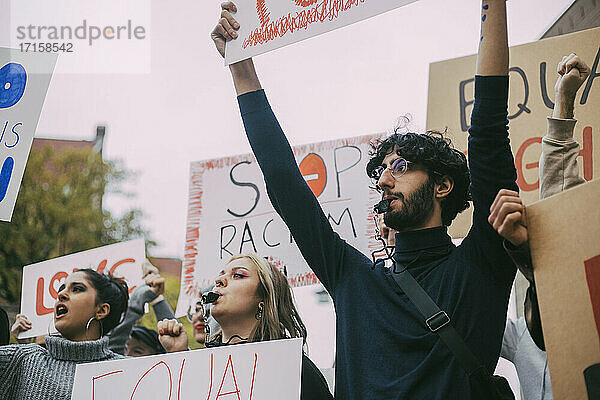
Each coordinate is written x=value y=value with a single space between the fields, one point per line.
x=354 y=81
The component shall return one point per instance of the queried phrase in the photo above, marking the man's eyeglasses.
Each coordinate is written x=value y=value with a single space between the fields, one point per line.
x=397 y=168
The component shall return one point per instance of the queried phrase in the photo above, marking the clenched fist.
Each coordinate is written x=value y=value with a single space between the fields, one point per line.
x=507 y=216
x=172 y=335
x=572 y=72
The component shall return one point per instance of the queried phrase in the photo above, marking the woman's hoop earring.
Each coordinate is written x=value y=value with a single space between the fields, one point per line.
x=258 y=314
x=87 y=326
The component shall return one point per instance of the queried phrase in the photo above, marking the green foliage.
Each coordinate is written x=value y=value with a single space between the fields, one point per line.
x=172 y=285
x=59 y=211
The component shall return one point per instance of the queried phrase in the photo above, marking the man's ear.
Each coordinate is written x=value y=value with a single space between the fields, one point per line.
x=443 y=187
x=102 y=311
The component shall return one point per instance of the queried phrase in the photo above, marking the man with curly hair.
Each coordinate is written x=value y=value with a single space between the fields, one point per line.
x=432 y=153
x=389 y=351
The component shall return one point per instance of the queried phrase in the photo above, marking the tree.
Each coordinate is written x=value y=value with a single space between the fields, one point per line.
x=59 y=211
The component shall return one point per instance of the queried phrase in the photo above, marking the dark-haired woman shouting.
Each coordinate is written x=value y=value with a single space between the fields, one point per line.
x=89 y=305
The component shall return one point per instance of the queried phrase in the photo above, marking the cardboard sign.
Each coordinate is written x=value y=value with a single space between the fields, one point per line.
x=564 y=235
x=267 y=25
x=24 y=80
x=263 y=370
x=229 y=212
x=42 y=280
x=532 y=78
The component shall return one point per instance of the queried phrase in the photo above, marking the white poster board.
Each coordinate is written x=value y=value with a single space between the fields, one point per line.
x=260 y=371
x=42 y=280
x=267 y=25
x=24 y=80
x=229 y=212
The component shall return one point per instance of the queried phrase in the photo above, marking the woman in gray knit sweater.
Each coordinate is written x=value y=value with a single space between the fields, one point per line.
x=89 y=305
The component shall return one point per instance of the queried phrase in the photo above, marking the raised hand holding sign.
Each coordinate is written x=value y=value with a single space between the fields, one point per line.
x=266 y=25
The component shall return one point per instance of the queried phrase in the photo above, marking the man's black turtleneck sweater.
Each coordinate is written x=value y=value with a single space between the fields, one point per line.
x=384 y=349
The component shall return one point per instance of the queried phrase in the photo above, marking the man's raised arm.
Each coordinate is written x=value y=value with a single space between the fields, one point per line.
x=288 y=191
x=558 y=162
x=491 y=161
x=492 y=58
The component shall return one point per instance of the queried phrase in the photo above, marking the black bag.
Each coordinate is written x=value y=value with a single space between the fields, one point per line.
x=484 y=385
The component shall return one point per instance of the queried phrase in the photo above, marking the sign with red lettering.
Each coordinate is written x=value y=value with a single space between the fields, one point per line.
x=24 y=80
x=564 y=234
x=253 y=371
x=267 y=25
x=42 y=280
x=235 y=215
x=532 y=78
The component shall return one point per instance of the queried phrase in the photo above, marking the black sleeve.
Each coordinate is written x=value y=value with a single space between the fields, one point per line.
x=313 y=383
x=321 y=247
x=4 y=328
x=492 y=168
x=521 y=257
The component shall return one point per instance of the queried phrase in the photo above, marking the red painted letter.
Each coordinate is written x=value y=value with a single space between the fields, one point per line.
x=523 y=184
x=236 y=391
x=147 y=372
x=253 y=375
x=592 y=274
x=587 y=152
x=40 y=309
x=57 y=277
x=98 y=377
x=118 y=263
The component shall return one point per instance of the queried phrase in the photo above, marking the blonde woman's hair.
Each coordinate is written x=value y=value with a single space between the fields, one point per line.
x=280 y=318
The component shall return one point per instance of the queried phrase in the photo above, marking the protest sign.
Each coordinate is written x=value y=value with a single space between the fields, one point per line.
x=24 y=80
x=566 y=255
x=263 y=370
x=42 y=280
x=532 y=78
x=229 y=212
x=267 y=25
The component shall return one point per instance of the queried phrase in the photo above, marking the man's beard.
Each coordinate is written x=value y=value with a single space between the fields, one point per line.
x=416 y=209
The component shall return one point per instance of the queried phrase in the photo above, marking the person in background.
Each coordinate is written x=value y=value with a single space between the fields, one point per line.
x=255 y=304
x=150 y=293
x=199 y=322
x=143 y=342
x=89 y=305
x=523 y=342
x=387 y=237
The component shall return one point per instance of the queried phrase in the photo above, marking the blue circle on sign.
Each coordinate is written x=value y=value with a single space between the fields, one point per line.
x=13 y=79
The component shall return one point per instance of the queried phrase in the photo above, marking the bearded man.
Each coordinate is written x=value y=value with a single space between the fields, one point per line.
x=390 y=351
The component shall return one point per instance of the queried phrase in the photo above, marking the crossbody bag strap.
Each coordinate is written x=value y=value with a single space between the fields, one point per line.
x=437 y=320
